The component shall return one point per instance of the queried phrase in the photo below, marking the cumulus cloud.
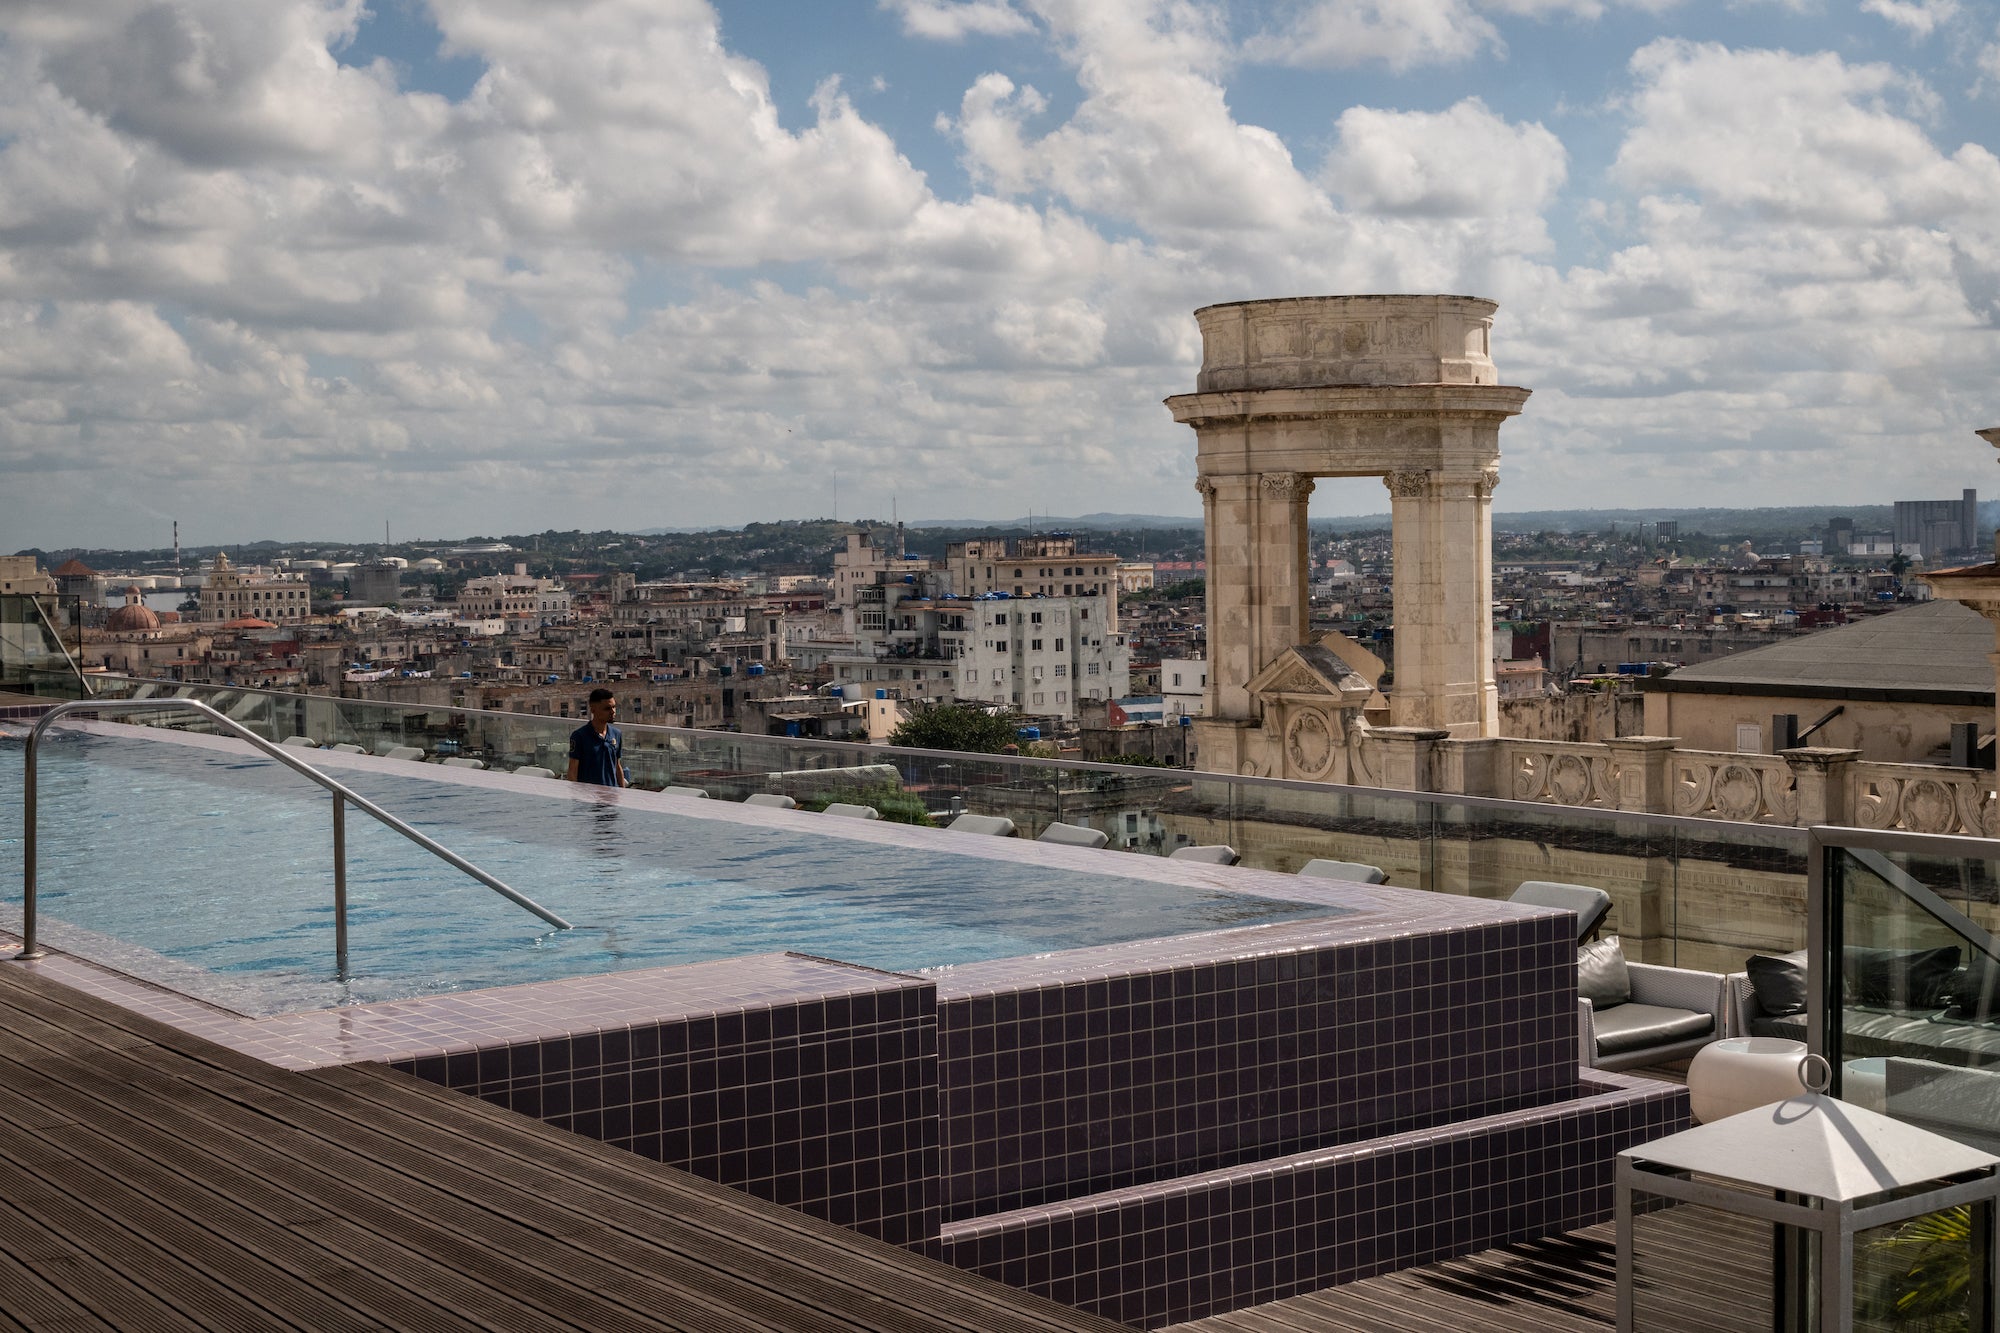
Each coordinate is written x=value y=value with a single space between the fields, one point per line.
x=623 y=280
x=1919 y=18
x=1339 y=34
x=955 y=20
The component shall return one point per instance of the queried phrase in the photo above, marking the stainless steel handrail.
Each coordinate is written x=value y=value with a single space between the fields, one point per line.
x=342 y=797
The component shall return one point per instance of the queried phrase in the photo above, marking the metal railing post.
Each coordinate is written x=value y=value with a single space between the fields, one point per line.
x=342 y=795
x=340 y=883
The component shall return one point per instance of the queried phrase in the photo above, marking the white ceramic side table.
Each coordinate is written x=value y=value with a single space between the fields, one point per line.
x=1865 y=1083
x=1741 y=1074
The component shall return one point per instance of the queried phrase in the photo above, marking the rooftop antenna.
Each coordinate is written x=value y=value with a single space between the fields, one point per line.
x=177 y=548
x=385 y=532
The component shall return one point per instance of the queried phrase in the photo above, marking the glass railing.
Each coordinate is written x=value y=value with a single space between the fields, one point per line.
x=1686 y=892
x=1910 y=1015
x=32 y=651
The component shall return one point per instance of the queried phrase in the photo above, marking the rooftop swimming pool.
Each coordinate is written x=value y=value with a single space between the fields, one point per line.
x=199 y=865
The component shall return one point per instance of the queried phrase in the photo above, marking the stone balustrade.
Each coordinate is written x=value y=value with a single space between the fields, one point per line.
x=1917 y=798
x=1650 y=774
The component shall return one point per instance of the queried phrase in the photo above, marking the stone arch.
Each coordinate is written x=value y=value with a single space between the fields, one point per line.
x=1397 y=387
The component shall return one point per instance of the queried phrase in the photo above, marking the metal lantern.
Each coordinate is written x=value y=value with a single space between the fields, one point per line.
x=1796 y=1183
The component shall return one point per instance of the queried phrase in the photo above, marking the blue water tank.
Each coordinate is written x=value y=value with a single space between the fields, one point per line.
x=1028 y=733
x=756 y=668
x=881 y=694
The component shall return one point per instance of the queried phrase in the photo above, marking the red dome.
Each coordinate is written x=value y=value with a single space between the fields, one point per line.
x=134 y=615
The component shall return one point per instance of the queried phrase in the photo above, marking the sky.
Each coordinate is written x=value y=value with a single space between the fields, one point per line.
x=294 y=269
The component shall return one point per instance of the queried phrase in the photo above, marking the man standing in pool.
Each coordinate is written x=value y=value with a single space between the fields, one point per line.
x=597 y=748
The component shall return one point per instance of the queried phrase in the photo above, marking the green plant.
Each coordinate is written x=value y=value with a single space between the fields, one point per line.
x=1923 y=1274
x=954 y=727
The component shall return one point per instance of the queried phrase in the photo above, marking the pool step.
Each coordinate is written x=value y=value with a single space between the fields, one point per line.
x=1204 y=1244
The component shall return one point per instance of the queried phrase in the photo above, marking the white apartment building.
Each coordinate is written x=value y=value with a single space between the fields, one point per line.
x=230 y=593
x=1034 y=566
x=1040 y=655
x=1184 y=687
x=1043 y=654
x=523 y=601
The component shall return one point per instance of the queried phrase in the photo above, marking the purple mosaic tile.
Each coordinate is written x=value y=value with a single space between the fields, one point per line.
x=1082 y=1086
x=1207 y=1244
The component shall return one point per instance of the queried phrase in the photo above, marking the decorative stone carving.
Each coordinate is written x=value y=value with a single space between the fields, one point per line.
x=1206 y=487
x=1408 y=485
x=1482 y=489
x=1288 y=485
x=1309 y=745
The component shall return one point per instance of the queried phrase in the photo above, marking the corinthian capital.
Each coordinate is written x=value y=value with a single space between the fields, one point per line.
x=1287 y=485
x=1408 y=485
x=1206 y=487
x=1482 y=486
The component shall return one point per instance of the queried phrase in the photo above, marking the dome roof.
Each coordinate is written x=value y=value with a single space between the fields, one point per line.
x=134 y=615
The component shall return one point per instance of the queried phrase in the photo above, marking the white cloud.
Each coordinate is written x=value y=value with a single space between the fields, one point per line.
x=1340 y=34
x=955 y=20
x=1463 y=162
x=1919 y=18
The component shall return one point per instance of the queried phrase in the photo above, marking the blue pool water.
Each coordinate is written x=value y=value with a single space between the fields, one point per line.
x=212 y=874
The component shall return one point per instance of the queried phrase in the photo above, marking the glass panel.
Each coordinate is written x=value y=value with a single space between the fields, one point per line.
x=1685 y=1256
x=1738 y=890
x=1914 y=1277
x=1915 y=1018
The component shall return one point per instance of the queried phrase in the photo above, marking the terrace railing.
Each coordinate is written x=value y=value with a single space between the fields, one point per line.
x=343 y=796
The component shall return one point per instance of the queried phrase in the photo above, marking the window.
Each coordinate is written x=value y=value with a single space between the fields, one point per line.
x=1038 y=696
x=1177 y=680
x=1093 y=692
x=998 y=675
x=1017 y=573
x=1083 y=613
x=1037 y=673
x=1093 y=671
x=1059 y=645
x=1061 y=697
x=1062 y=669
x=1034 y=617
x=1000 y=619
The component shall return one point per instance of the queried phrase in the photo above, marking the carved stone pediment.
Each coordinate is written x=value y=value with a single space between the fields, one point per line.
x=1310 y=672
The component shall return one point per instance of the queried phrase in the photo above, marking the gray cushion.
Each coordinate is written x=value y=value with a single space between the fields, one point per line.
x=1358 y=871
x=1215 y=854
x=1073 y=835
x=1590 y=905
x=1780 y=982
x=1633 y=1027
x=1601 y=977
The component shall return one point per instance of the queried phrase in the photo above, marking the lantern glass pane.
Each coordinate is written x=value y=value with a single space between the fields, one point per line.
x=1698 y=1269
x=1915 y=1013
x=1914 y=1276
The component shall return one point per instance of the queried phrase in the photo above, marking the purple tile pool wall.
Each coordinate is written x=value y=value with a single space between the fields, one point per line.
x=1065 y=1089
x=828 y=1104
x=1195 y=1246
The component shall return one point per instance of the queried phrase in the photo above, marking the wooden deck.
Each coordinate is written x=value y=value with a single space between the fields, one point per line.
x=1703 y=1273
x=152 y=1180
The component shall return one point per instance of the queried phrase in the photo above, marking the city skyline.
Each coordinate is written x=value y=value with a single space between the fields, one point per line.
x=468 y=266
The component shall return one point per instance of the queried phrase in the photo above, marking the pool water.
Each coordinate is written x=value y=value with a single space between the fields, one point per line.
x=212 y=873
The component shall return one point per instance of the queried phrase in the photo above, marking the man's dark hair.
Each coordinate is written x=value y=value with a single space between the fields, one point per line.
x=598 y=696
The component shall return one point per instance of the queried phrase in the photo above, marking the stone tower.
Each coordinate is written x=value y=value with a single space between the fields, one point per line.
x=1397 y=387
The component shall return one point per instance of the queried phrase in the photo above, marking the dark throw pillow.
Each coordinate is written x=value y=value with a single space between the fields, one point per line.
x=1779 y=981
x=1601 y=977
x=1975 y=991
x=1900 y=978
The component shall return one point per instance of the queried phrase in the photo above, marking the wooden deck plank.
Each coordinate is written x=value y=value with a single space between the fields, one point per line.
x=167 y=1182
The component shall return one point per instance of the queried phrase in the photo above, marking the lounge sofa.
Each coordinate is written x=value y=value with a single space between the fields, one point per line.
x=1634 y=1014
x=1916 y=1004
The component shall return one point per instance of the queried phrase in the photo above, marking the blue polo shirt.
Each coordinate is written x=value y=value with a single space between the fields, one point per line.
x=598 y=758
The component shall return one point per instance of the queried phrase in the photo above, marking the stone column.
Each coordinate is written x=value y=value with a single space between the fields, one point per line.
x=1443 y=569
x=1645 y=772
x=1405 y=755
x=1820 y=778
x=1258 y=583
